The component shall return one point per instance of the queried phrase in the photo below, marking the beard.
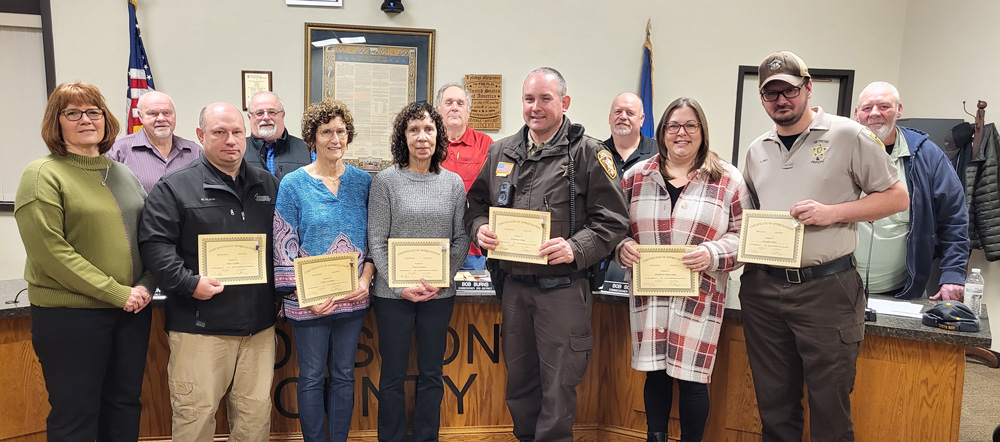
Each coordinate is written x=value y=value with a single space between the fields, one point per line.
x=266 y=129
x=880 y=127
x=622 y=132
x=787 y=119
x=162 y=132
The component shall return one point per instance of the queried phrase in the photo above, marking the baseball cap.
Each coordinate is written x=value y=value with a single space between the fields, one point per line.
x=951 y=315
x=784 y=66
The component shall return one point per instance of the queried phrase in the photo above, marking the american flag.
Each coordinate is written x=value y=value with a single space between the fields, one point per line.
x=140 y=78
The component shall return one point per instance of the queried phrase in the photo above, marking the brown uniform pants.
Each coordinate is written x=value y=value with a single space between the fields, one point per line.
x=546 y=347
x=807 y=332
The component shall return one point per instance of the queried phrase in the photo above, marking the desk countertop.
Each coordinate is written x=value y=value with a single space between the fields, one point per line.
x=890 y=326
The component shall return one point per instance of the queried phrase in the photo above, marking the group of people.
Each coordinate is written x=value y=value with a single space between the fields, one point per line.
x=98 y=247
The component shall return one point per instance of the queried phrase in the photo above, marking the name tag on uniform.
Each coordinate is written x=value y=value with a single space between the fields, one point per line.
x=504 y=169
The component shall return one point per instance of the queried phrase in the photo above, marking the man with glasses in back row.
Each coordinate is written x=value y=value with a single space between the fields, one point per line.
x=269 y=145
x=806 y=323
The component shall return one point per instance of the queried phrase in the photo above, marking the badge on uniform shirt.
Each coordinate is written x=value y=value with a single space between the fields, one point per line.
x=608 y=163
x=819 y=152
x=504 y=169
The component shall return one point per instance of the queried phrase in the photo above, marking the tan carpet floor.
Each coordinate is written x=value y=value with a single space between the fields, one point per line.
x=980 y=403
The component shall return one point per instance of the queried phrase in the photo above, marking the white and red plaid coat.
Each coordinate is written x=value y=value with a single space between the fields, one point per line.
x=680 y=334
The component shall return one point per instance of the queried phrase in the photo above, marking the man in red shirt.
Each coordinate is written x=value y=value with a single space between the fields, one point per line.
x=466 y=147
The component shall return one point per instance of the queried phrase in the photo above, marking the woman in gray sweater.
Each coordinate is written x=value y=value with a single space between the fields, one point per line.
x=414 y=198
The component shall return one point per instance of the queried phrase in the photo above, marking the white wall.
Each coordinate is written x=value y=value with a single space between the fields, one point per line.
x=938 y=53
x=950 y=55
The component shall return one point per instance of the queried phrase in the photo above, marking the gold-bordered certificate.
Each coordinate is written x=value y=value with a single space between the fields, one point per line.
x=771 y=237
x=411 y=259
x=317 y=278
x=233 y=259
x=519 y=234
x=660 y=272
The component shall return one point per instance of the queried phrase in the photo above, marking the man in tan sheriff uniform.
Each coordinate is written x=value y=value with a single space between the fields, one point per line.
x=806 y=324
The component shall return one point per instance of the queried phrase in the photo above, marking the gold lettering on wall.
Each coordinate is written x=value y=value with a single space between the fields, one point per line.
x=487 y=91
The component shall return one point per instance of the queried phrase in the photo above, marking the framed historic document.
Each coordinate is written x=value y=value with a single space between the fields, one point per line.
x=235 y=259
x=375 y=71
x=660 y=272
x=770 y=237
x=253 y=82
x=487 y=95
x=519 y=234
x=317 y=278
x=411 y=259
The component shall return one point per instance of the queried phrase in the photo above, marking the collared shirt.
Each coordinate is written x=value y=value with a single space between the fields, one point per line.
x=269 y=156
x=238 y=184
x=646 y=149
x=467 y=154
x=137 y=153
x=833 y=161
x=888 y=246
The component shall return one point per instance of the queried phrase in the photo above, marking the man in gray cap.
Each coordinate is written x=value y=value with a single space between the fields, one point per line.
x=806 y=324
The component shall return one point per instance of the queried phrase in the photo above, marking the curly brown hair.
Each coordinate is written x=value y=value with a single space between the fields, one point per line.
x=78 y=93
x=323 y=112
x=417 y=110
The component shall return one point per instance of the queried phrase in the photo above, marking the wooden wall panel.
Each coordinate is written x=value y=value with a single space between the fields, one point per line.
x=25 y=403
x=906 y=390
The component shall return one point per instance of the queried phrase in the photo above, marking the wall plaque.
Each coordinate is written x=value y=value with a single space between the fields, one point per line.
x=486 y=92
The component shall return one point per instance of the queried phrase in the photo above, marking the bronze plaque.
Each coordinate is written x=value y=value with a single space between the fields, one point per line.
x=486 y=92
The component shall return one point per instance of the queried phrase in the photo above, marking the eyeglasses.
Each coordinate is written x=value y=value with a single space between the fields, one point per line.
x=690 y=127
x=792 y=92
x=329 y=133
x=263 y=112
x=77 y=114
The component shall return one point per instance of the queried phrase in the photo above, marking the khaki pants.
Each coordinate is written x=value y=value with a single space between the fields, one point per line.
x=200 y=371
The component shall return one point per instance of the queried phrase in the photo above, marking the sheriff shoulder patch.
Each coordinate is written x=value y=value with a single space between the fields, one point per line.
x=608 y=163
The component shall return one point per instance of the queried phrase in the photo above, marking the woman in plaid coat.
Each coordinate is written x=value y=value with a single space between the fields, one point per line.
x=685 y=195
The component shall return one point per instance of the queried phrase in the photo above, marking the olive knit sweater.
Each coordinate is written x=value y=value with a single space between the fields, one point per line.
x=79 y=231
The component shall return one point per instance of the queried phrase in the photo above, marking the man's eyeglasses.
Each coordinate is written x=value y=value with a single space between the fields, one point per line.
x=263 y=112
x=690 y=127
x=789 y=93
x=77 y=114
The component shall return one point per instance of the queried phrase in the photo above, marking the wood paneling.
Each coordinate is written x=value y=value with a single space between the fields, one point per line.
x=906 y=390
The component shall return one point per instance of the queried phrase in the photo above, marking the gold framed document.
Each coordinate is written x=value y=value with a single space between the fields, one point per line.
x=660 y=272
x=771 y=237
x=317 y=278
x=519 y=234
x=233 y=259
x=411 y=259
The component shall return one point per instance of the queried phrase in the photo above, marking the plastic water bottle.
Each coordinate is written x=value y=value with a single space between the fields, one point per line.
x=974 y=287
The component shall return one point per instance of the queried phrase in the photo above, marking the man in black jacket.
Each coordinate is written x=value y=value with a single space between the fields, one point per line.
x=221 y=337
x=270 y=146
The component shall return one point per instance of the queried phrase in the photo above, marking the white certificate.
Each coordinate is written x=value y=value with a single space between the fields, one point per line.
x=317 y=278
x=660 y=272
x=413 y=259
x=519 y=234
x=233 y=259
x=771 y=237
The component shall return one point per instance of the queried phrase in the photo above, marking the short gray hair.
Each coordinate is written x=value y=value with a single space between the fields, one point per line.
x=440 y=94
x=877 y=85
x=282 y=103
x=551 y=71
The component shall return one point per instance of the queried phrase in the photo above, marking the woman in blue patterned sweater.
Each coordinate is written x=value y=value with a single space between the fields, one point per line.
x=322 y=208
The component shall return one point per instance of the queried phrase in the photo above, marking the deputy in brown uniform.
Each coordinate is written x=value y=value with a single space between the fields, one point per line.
x=546 y=308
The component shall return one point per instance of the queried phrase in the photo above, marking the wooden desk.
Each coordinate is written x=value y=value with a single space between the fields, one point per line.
x=909 y=384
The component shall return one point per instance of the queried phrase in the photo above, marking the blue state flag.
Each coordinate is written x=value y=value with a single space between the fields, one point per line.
x=646 y=87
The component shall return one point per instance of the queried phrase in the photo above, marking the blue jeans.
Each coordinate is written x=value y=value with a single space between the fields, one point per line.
x=474 y=262
x=396 y=320
x=333 y=345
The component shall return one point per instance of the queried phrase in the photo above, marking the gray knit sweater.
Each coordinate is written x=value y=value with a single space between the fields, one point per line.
x=403 y=204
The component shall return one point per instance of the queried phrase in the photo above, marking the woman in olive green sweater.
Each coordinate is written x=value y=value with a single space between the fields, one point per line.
x=78 y=213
